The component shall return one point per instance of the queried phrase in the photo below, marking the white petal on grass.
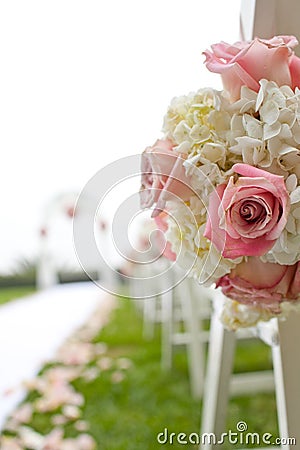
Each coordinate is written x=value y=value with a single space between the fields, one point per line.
x=31 y=438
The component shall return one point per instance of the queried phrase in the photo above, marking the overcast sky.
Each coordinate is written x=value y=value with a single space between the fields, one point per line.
x=84 y=83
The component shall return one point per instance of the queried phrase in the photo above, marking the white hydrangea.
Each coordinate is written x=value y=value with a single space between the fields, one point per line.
x=286 y=250
x=203 y=177
x=235 y=315
x=196 y=120
x=266 y=128
x=260 y=129
x=195 y=253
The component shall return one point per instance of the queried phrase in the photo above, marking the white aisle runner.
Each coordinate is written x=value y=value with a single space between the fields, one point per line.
x=32 y=329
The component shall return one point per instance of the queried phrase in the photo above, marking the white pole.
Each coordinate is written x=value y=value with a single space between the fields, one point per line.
x=267 y=18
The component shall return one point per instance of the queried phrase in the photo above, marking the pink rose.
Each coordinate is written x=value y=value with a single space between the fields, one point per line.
x=164 y=245
x=163 y=174
x=246 y=216
x=246 y=63
x=256 y=283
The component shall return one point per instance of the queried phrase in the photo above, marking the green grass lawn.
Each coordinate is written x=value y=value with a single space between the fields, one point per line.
x=12 y=293
x=129 y=414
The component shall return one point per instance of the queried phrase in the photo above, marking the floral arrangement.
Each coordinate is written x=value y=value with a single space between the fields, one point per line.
x=224 y=180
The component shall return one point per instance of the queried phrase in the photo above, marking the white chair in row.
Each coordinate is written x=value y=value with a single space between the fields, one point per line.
x=181 y=311
x=145 y=286
x=187 y=311
x=284 y=338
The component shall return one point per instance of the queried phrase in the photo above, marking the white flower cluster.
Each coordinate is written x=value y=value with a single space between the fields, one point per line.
x=235 y=315
x=199 y=120
x=260 y=129
x=268 y=129
x=199 y=126
x=195 y=253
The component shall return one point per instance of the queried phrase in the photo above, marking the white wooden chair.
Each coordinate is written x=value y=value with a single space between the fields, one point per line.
x=186 y=310
x=145 y=285
x=185 y=314
x=155 y=308
x=283 y=336
x=180 y=311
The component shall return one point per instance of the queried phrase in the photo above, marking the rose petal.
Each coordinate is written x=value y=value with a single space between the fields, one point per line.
x=254 y=271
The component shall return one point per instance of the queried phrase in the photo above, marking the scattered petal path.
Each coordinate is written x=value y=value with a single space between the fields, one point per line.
x=33 y=330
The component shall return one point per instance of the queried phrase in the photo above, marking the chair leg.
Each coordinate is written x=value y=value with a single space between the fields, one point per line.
x=195 y=344
x=286 y=361
x=149 y=318
x=216 y=390
x=166 y=330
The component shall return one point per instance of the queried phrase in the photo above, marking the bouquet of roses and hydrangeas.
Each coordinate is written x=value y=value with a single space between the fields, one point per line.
x=224 y=180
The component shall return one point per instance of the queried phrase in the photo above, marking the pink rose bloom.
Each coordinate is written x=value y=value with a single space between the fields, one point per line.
x=163 y=176
x=246 y=216
x=256 y=283
x=164 y=245
x=246 y=63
